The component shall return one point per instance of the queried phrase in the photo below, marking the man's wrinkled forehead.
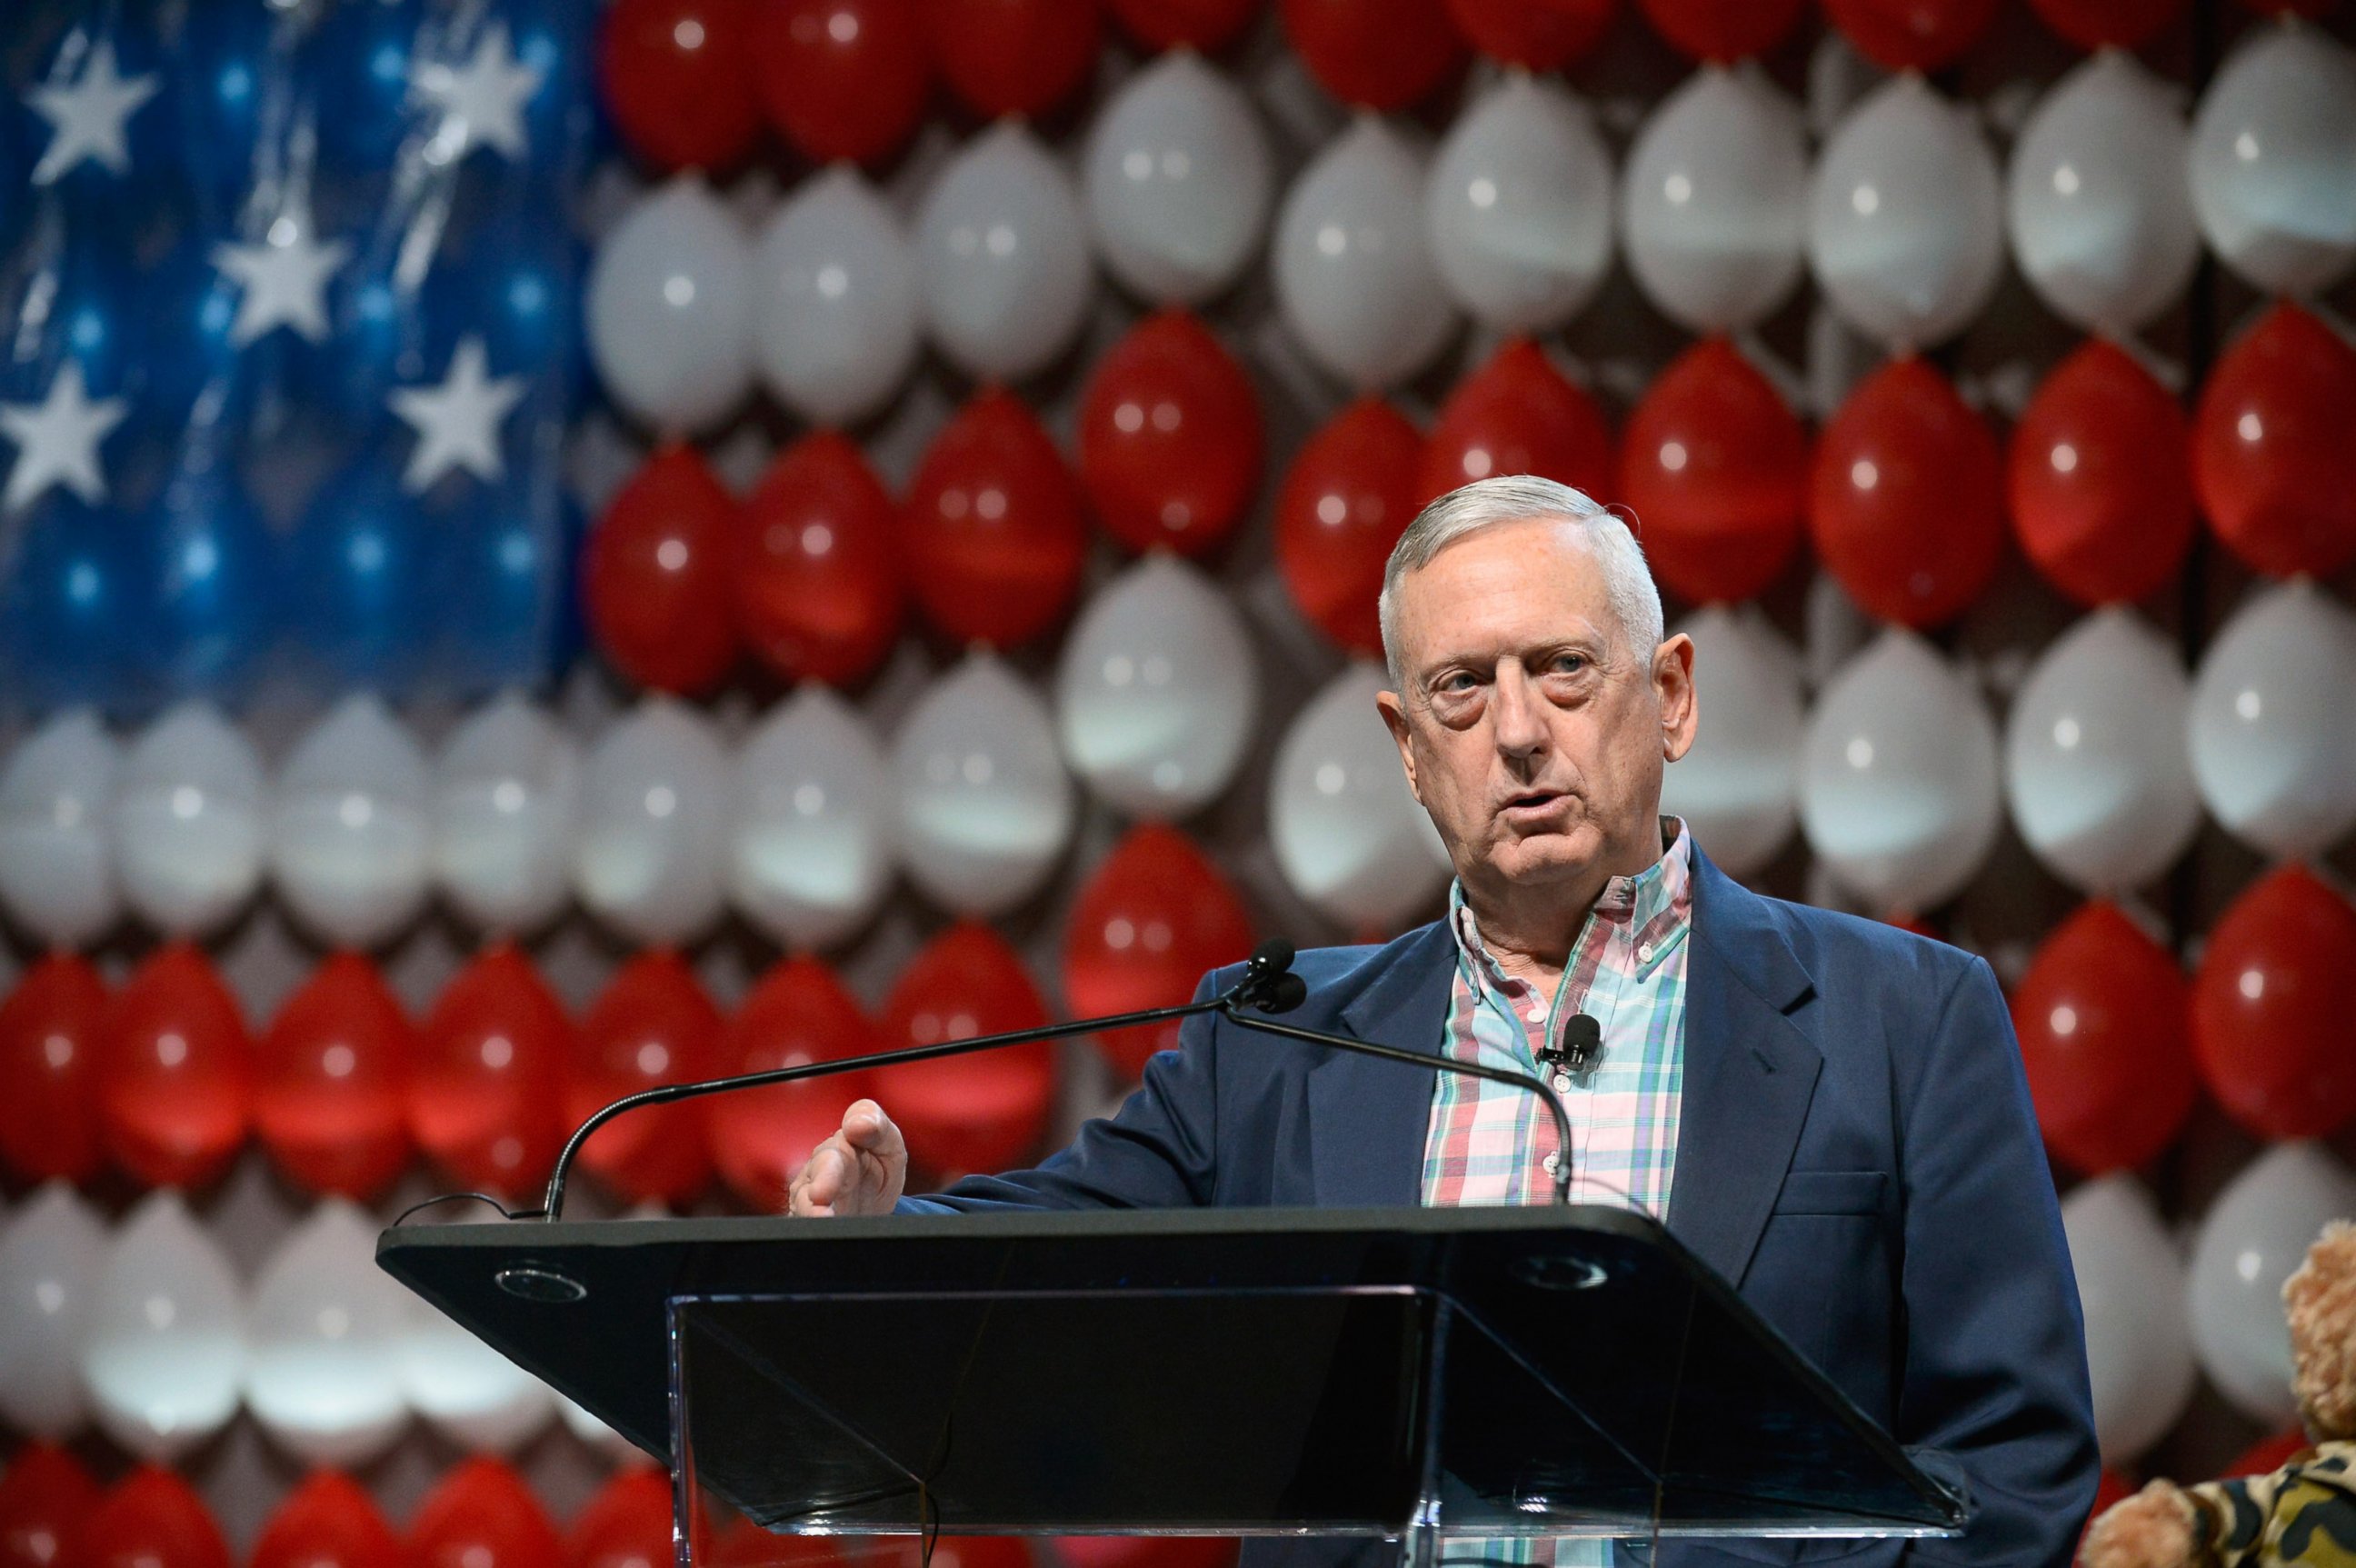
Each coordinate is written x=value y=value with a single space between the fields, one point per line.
x=1539 y=570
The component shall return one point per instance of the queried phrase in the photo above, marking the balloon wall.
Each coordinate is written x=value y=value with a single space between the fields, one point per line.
x=549 y=549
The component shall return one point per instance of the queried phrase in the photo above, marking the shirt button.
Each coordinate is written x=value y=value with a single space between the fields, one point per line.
x=1550 y=1163
x=1562 y=1084
x=1643 y=952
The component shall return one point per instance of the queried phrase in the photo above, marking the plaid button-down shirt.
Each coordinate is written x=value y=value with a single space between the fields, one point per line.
x=1492 y=1144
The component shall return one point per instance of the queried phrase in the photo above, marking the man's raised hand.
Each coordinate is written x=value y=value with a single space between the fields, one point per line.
x=859 y=1170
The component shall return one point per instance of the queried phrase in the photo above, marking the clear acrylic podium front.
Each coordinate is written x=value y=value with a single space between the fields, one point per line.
x=1409 y=1374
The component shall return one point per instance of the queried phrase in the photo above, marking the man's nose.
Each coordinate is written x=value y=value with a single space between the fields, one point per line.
x=1520 y=723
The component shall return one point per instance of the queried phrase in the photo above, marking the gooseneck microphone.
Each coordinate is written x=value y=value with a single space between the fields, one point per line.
x=1267 y=985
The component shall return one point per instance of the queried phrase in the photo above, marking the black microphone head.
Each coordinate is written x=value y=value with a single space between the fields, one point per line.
x=1582 y=1034
x=1285 y=992
x=1271 y=958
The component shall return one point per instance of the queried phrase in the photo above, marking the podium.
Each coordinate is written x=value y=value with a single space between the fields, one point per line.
x=1410 y=1374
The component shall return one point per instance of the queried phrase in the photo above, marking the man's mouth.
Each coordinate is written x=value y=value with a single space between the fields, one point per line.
x=1530 y=800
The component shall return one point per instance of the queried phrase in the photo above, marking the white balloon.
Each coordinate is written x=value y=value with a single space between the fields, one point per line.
x=50 y=1256
x=2131 y=1287
x=1906 y=217
x=1898 y=776
x=2273 y=163
x=166 y=1347
x=986 y=808
x=1156 y=693
x=836 y=319
x=1735 y=788
x=1348 y=833
x=468 y=1392
x=2271 y=729
x=1002 y=254
x=650 y=856
x=2100 y=222
x=2257 y=1232
x=1355 y=277
x=1519 y=204
x=190 y=820
x=669 y=308
x=322 y=1375
x=1179 y=179
x=2093 y=769
x=351 y=836
x=57 y=795
x=812 y=848
x=507 y=790
x=1714 y=198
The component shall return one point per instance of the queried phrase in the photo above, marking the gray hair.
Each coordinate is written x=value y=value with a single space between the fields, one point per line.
x=1519 y=498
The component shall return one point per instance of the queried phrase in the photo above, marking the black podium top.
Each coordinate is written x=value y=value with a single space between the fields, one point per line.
x=1480 y=1371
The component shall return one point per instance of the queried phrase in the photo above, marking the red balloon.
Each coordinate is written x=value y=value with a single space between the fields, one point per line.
x=1906 y=501
x=676 y=77
x=2271 y=1004
x=841 y=78
x=2101 y=486
x=1146 y=1550
x=328 y=1521
x=481 y=1514
x=331 y=1078
x=1722 y=29
x=817 y=576
x=1375 y=54
x=654 y=575
x=46 y=1499
x=625 y=1525
x=1912 y=35
x=2105 y=1026
x=1204 y=25
x=761 y=1137
x=1715 y=465
x=652 y=1025
x=966 y=1551
x=2267 y=1455
x=174 y=1078
x=1170 y=437
x=50 y=1030
x=966 y=1113
x=486 y=1096
x=1154 y=918
x=1537 y=34
x=1518 y=415
x=150 y=1519
x=2270 y=450
x=994 y=531
x=2117 y=23
x=1013 y=57
x=1351 y=492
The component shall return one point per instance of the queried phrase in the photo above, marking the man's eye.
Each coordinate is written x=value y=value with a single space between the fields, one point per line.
x=1456 y=684
x=1567 y=663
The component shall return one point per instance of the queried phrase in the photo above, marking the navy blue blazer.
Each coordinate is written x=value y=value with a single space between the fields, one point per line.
x=1855 y=1153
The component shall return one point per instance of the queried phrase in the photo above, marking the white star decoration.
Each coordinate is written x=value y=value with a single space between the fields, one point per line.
x=57 y=440
x=481 y=102
x=457 y=423
x=284 y=280
x=88 y=119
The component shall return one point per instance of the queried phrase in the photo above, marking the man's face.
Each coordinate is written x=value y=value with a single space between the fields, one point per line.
x=1531 y=731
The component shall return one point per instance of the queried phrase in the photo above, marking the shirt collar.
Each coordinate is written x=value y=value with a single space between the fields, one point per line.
x=1654 y=907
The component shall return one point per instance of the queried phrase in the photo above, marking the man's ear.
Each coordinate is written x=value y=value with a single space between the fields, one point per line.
x=1680 y=705
x=1394 y=712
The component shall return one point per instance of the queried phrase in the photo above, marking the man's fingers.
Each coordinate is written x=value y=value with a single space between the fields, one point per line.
x=865 y=1126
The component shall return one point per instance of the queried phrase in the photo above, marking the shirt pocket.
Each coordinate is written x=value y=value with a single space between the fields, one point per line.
x=1832 y=1192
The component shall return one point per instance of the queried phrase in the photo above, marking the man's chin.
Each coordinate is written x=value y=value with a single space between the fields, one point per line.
x=1536 y=858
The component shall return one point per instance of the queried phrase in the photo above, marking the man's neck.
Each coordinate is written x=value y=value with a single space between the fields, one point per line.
x=1528 y=931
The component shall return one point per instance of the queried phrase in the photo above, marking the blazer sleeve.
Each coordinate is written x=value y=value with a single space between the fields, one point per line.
x=1156 y=1152
x=1994 y=1362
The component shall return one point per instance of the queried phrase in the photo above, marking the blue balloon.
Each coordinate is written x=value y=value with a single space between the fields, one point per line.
x=208 y=613
x=68 y=591
x=193 y=372
x=354 y=590
x=233 y=90
x=68 y=296
x=502 y=576
x=362 y=54
x=380 y=339
x=82 y=175
x=517 y=285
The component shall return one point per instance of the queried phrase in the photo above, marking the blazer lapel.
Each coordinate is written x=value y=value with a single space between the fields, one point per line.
x=1750 y=1072
x=1367 y=1118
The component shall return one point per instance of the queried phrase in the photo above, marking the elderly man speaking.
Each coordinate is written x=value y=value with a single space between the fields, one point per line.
x=1828 y=1112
